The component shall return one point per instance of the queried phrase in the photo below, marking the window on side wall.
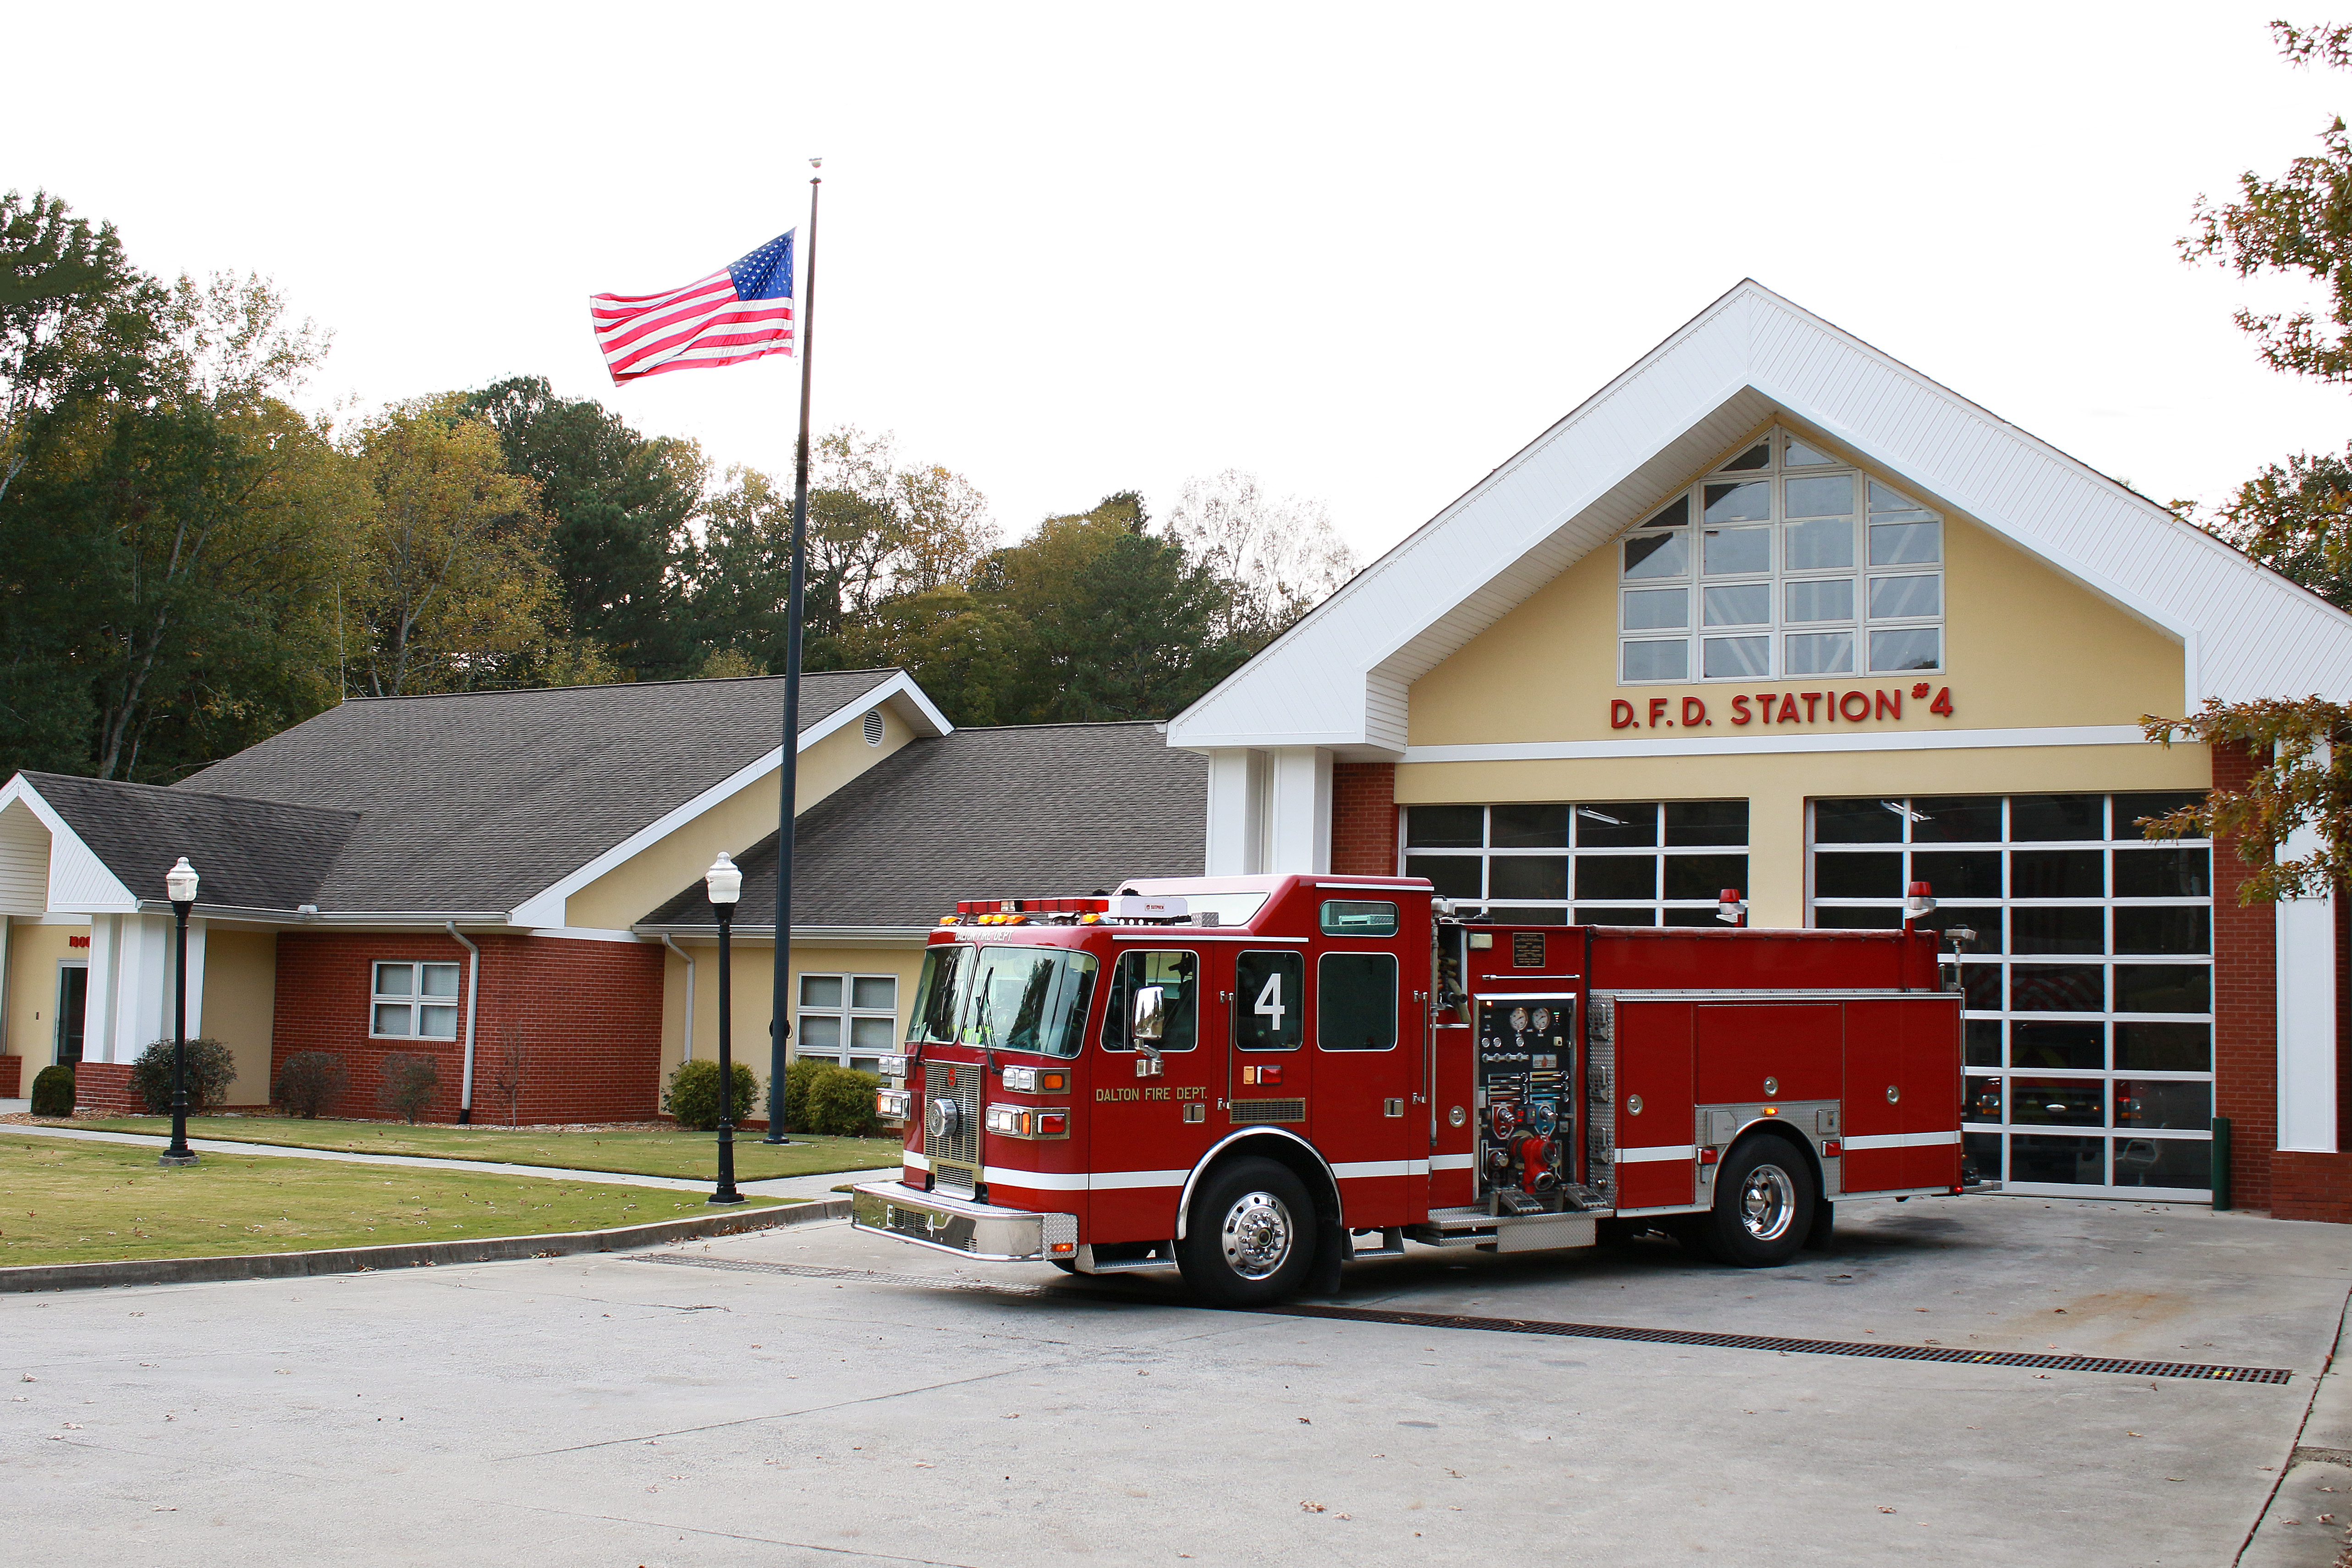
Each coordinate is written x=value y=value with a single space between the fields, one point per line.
x=414 y=1001
x=852 y=1019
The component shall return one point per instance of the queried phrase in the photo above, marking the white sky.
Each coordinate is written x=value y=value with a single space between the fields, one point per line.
x=1365 y=251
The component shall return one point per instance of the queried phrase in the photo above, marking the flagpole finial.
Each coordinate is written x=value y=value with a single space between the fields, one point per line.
x=817 y=162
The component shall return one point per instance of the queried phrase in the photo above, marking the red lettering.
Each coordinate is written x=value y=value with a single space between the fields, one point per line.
x=1920 y=690
x=1739 y=713
x=1621 y=714
x=77 y=941
x=1943 y=702
x=1788 y=714
x=1657 y=706
x=1813 y=699
x=1889 y=704
x=1694 y=712
x=1846 y=706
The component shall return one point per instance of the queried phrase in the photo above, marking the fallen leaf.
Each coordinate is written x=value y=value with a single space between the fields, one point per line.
x=1884 y=1508
x=1305 y=1422
x=1312 y=1507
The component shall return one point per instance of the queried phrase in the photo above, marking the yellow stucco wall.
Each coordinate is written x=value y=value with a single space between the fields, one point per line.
x=241 y=1005
x=754 y=972
x=32 y=1024
x=654 y=875
x=2025 y=648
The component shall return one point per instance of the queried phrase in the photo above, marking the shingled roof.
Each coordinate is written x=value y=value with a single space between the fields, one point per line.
x=463 y=803
x=251 y=855
x=1032 y=811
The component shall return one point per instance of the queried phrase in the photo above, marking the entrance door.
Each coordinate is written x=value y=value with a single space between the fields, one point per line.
x=73 y=998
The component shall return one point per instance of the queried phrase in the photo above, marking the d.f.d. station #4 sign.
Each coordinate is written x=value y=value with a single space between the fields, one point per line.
x=1875 y=706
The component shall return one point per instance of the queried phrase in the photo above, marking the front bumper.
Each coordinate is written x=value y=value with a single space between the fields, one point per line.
x=980 y=1231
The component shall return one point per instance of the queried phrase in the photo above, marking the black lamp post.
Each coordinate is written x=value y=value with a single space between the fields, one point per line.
x=180 y=886
x=725 y=885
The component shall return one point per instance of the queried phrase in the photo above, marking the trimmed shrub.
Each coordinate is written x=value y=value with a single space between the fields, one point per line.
x=799 y=1073
x=212 y=1067
x=53 y=1090
x=309 y=1082
x=692 y=1097
x=841 y=1101
x=409 y=1079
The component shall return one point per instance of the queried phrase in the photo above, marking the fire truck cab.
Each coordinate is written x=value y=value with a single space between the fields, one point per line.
x=1253 y=1079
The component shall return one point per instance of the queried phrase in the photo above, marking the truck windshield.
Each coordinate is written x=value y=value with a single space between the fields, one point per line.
x=937 y=992
x=1028 y=999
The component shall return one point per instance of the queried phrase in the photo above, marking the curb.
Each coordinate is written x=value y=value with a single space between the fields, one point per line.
x=407 y=1255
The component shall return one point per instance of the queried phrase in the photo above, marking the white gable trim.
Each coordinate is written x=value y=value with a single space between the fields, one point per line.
x=1337 y=678
x=545 y=908
x=80 y=883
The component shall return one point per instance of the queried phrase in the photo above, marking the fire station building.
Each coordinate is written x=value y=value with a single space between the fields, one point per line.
x=1773 y=611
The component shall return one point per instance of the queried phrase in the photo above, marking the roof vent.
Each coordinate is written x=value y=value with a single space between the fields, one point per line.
x=873 y=727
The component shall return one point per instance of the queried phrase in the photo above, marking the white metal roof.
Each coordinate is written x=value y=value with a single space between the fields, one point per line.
x=1338 y=678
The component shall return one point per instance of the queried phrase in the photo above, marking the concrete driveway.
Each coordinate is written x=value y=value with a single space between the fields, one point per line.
x=842 y=1402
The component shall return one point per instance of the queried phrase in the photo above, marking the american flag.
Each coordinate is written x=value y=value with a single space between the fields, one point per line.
x=738 y=313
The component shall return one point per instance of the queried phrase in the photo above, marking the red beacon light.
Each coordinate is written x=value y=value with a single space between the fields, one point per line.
x=1730 y=908
x=1917 y=901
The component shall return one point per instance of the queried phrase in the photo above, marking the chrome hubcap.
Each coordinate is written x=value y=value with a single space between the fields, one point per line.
x=1257 y=1235
x=1768 y=1203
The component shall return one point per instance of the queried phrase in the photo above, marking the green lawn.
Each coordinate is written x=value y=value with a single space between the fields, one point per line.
x=73 y=1202
x=634 y=1151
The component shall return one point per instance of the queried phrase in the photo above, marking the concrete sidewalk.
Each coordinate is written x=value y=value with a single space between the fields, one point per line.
x=811 y=1187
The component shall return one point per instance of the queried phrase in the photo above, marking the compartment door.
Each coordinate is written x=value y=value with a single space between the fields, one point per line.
x=1657 y=1153
x=1903 y=1092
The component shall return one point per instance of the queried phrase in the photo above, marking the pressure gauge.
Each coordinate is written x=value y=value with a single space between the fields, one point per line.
x=1542 y=1019
x=1518 y=1020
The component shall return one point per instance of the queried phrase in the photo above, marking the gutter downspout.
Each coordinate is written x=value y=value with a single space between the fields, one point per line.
x=682 y=952
x=473 y=996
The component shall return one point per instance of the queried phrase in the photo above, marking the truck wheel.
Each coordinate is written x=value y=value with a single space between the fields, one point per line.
x=1763 y=1205
x=1250 y=1239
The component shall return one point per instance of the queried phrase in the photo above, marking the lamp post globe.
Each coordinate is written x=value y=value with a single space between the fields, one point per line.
x=180 y=887
x=724 y=883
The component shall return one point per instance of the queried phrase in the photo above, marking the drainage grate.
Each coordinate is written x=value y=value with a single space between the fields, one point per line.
x=2044 y=1363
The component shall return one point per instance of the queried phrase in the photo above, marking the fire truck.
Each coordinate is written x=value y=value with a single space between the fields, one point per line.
x=1251 y=1080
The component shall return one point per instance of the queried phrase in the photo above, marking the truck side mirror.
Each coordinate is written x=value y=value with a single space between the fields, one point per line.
x=1151 y=1020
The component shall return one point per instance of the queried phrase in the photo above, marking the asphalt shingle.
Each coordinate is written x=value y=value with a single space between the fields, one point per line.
x=1024 y=811
x=473 y=801
x=248 y=854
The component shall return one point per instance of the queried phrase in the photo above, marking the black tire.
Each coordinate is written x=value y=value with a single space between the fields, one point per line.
x=1250 y=1240
x=1764 y=1200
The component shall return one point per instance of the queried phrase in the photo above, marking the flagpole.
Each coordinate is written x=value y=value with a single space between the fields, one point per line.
x=788 y=778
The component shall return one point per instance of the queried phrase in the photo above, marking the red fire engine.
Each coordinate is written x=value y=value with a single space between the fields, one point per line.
x=1252 y=1080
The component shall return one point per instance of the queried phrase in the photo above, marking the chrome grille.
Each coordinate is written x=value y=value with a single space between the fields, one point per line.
x=955 y=1157
x=1262 y=1111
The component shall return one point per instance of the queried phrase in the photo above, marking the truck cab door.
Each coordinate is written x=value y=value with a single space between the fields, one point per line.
x=1146 y=1131
x=1367 y=1116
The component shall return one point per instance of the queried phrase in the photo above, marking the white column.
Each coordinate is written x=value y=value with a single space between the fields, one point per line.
x=1298 y=828
x=2306 y=1008
x=195 y=980
x=97 y=1009
x=2306 y=1022
x=142 y=988
x=1236 y=830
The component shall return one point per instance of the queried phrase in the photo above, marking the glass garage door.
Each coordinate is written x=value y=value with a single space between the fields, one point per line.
x=2089 y=1031
x=1614 y=863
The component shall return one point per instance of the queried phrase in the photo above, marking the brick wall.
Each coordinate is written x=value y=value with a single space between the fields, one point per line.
x=2245 y=1008
x=586 y=1014
x=103 y=1089
x=2311 y=1186
x=14 y=1083
x=1363 y=819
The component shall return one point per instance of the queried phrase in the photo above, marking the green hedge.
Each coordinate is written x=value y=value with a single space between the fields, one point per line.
x=828 y=1099
x=212 y=1067
x=53 y=1090
x=693 y=1095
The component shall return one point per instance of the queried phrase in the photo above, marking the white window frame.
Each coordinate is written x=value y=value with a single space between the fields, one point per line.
x=1776 y=578
x=415 y=1001
x=848 y=1012
x=2120 y=837
x=1660 y=909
